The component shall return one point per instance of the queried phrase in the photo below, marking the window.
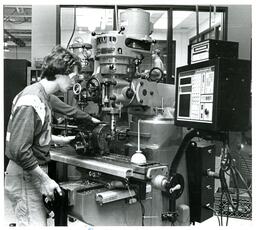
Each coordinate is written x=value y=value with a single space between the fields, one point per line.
x=185 y=30
x=87 y=20
x=177 y=23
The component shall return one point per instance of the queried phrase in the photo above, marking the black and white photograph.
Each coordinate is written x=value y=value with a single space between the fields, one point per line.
x=129 y=114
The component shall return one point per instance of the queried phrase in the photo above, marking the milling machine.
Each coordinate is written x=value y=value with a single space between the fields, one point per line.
x=117 y=172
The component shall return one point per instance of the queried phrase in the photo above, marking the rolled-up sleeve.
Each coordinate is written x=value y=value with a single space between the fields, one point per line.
x=21 y=137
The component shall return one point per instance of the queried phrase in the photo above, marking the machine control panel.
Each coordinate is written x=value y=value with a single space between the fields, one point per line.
x=214 y=95
x=195 y=95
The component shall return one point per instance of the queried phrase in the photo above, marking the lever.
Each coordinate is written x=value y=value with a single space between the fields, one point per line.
x=121 y=29
x=175 y=188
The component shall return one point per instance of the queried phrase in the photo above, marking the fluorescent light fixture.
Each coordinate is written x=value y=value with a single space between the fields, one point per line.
x=180 y=16
x=161 y=23
x=93 y=18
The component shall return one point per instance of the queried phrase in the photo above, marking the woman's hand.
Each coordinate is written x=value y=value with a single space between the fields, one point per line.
x=62 y=139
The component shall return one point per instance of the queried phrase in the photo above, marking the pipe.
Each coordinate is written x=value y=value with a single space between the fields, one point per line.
x=214 y=18
x=197 y=24
x=115 y=26
x=183 y=146
x=139 y=136
x=210 y=17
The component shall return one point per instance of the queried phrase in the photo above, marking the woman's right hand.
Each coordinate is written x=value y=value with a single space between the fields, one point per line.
x=48 y=187
x=95 y=120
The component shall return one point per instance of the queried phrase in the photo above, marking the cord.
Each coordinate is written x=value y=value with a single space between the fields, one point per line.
x=221 y=207
x=227 y=216
x=215 y=212
x=142 y=213
x=228 y=164
x=225 y=190
x=74 y=27
x=244 y=182
x=247 y=189
x=141 y=205
x=129 y=190
x=246 y=165
x=183 y=146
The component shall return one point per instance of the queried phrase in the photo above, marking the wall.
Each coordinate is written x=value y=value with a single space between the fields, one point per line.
x=18 y=53
x=43 y=30
x=182 y=41
x=240 y=28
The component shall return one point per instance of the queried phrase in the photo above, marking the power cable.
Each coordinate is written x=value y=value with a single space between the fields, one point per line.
x=228 y=164
x=215 y=212
x=142 y=213
x=74 y=27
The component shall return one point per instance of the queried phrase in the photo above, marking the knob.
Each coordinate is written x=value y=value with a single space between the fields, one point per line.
x=111 y=67
x=113 y=97
x=129 y=93
x=114 y=82
x=177 y=187
x=122 y=28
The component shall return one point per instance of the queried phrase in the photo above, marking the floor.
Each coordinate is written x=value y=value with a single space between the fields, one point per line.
x=232 y=222
x=213 y=222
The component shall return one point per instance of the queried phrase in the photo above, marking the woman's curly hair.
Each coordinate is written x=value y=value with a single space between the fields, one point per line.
x=59 y=61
